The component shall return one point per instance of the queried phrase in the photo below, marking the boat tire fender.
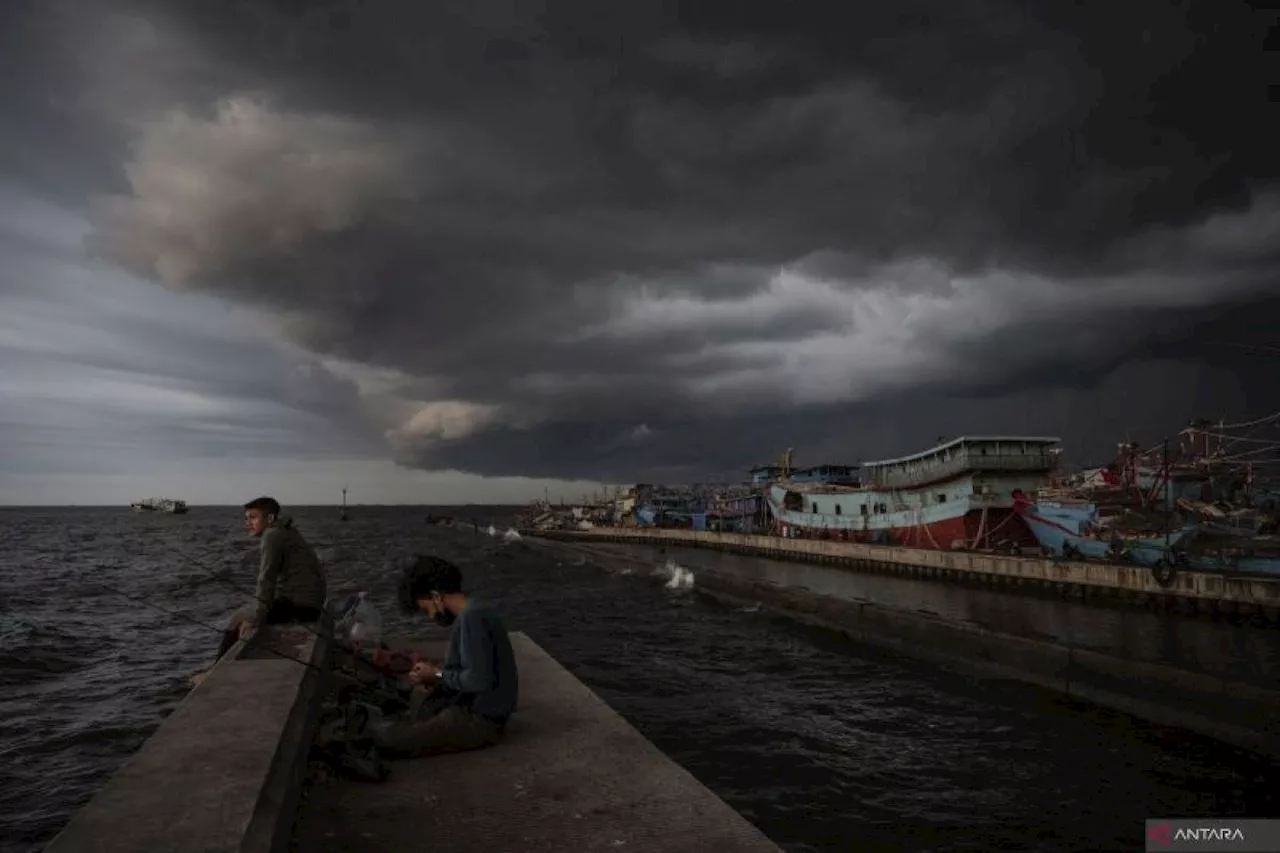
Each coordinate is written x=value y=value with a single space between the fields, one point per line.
x=1164 y=571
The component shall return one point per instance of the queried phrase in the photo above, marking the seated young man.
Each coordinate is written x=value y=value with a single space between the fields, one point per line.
x=291 y=583
x=477 y=684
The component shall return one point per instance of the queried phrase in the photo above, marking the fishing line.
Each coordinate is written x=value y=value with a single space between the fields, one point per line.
x=219 y=576
x=378 y=692
x=203 y=624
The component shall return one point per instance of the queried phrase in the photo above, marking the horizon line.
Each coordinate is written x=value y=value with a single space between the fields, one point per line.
x=240 y=506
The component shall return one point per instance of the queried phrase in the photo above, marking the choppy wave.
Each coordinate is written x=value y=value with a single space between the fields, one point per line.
x=678 y=577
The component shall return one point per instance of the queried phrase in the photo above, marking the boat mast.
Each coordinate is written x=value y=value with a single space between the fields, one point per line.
x=1168 y=498
x=343 y=513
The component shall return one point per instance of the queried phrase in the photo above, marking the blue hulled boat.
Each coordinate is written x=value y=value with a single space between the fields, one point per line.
x=1072 y=530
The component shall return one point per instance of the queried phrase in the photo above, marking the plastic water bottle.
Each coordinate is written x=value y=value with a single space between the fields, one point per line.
x=366 y=624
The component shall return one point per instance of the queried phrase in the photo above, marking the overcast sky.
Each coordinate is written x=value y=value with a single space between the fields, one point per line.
x=467 y=251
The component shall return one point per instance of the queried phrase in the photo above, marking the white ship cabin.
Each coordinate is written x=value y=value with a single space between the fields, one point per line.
x=764 y=474
x=961 y=456
x=830 y=475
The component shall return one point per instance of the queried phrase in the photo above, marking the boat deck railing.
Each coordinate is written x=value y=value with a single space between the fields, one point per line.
x=918 y=473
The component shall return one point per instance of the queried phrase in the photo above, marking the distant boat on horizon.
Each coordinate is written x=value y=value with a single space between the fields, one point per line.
x=169 y=505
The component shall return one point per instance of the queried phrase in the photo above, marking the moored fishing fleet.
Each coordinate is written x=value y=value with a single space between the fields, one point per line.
x=1202 y=501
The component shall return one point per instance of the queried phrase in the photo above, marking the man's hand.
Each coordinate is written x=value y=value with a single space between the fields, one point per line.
x=384 y=653
x=248 y=628
x=423 y=673
x=394 y=663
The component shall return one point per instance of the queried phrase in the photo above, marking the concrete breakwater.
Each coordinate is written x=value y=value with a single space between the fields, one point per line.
x=225 y=772
x=570 y=775
x=1246 y=597
x=1216 y=677
x=224 y=767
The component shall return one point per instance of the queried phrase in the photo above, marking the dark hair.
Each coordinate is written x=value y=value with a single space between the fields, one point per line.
x=425 y=576
x=264 y=504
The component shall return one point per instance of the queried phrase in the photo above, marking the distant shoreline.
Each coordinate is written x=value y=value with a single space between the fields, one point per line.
x=288 y=507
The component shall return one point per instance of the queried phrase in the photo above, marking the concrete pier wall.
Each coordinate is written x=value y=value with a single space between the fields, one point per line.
x=223 y=772
x=1211 y=677
x=1236 y=712
x=570 y=775
x=1245 y=596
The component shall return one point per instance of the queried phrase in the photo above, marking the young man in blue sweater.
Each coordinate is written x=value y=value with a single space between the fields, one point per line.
x=477 y=684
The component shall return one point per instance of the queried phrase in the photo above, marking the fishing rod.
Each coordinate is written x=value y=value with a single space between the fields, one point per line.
x=202 y=624
x=220 y=576
x=380 y=693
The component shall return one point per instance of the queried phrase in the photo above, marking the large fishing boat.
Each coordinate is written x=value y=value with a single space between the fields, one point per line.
x=959 y=494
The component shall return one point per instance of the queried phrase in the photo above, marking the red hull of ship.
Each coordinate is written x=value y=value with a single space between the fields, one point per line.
x=1002 y=525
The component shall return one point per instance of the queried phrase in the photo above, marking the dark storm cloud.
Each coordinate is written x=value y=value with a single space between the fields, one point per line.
x=101 y=389
x=1091 y=123
x=105 y=378
x=566 y=223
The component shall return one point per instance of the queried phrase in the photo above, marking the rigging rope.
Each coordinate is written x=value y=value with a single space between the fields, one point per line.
x=1262 y=420
x=1235 y=438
